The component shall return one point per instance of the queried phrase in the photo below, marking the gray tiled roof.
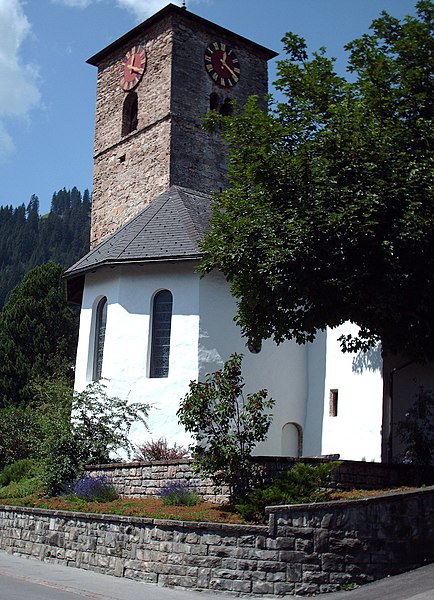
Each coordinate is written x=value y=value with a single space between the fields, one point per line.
x=169 y=228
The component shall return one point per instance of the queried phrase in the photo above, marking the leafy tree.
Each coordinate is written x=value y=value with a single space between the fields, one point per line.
x=38 y=334
x=226 y=427
x=330 y=213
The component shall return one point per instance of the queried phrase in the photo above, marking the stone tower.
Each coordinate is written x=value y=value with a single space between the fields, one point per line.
x=154 y=86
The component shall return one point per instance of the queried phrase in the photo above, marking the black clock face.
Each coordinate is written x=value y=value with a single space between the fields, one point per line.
x=222 y=64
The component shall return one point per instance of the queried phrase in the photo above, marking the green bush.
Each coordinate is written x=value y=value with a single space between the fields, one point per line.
x=22 y=478
x=19 y=434
x=21 y=489
x=301 y=484
x=19 y=470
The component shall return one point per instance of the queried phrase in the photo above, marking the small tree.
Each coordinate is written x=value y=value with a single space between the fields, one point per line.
x=226 y=427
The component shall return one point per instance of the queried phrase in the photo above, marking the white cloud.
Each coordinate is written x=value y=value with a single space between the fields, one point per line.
x=6 y=144
x=19 y=92
x=143 y=9
x=74 y=3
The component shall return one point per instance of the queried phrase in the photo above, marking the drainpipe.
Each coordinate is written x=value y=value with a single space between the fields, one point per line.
x=391 y=407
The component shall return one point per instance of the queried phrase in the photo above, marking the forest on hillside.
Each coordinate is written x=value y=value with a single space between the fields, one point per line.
x=28 y=239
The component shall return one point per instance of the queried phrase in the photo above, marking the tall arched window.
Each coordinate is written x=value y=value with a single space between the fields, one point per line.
x=130 y=113
x=161 y=325
x=100 y=326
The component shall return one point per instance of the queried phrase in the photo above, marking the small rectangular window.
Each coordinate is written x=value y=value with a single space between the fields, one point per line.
x=333 y=403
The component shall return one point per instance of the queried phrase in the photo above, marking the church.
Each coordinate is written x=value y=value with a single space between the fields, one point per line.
x=149 y=324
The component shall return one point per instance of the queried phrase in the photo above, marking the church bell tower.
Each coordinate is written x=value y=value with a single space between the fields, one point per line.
x=154 y=86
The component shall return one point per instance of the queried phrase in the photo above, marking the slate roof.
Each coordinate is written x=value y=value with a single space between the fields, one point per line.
x=169 y=228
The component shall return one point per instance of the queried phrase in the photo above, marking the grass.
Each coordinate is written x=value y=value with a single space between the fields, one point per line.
x=155 y=508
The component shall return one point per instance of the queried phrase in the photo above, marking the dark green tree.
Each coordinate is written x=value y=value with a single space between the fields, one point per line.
x=329 y=216
x=38 y=334
x=28 y=240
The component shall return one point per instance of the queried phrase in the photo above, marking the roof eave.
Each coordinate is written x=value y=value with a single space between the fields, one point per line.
x=113 y=263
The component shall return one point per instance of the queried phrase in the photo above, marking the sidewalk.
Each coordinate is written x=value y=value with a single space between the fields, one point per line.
x=414 y=585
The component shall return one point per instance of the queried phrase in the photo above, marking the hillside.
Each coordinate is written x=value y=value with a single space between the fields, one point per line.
x=28 y=239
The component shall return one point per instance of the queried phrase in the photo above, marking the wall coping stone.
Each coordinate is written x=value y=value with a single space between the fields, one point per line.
x=163 y=523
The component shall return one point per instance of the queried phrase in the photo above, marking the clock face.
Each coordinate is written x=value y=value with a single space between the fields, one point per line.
x=222 y=64
x=133 y=67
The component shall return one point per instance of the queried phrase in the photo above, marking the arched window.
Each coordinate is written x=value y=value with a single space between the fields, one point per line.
x=161 y=325
x=100 y=326
x=129 y=113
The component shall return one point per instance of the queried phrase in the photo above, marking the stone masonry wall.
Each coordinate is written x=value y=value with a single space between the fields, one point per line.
x=305 y=550
x=329 y=544
x=146 y=479
x=142 y=479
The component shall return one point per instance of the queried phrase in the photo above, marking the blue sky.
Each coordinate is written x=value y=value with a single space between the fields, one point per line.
x=47 y=91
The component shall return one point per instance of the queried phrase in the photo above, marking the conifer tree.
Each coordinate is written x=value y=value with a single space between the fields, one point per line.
x=38 y=334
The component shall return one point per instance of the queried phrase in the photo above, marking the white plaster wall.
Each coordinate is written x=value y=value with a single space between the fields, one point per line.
x=129 y=292
x=316 y=370
x=203 y=336
x=282 y=369
x=355 y=433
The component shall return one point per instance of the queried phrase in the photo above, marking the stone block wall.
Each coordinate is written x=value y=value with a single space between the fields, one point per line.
x=146 y=479
x=329 y=544
x=305 y=550
x=142 y=479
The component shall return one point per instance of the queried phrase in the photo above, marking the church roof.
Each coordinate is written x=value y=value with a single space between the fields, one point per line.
x=168 y=228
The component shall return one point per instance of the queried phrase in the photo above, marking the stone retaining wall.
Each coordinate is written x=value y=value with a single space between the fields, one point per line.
x=142 y=479
x=306 y=549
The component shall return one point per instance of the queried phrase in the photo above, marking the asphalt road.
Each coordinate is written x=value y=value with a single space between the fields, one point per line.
x=26 y=579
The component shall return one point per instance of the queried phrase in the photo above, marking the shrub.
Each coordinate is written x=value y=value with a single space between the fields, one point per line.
x=19 y=434
x=89 y=428
x=226 y=427
x=21 y=469
x=28 y=486
x=301 y=484
x=95 y=489
x=160 y=450
x=22 y=478
x=178 y=494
